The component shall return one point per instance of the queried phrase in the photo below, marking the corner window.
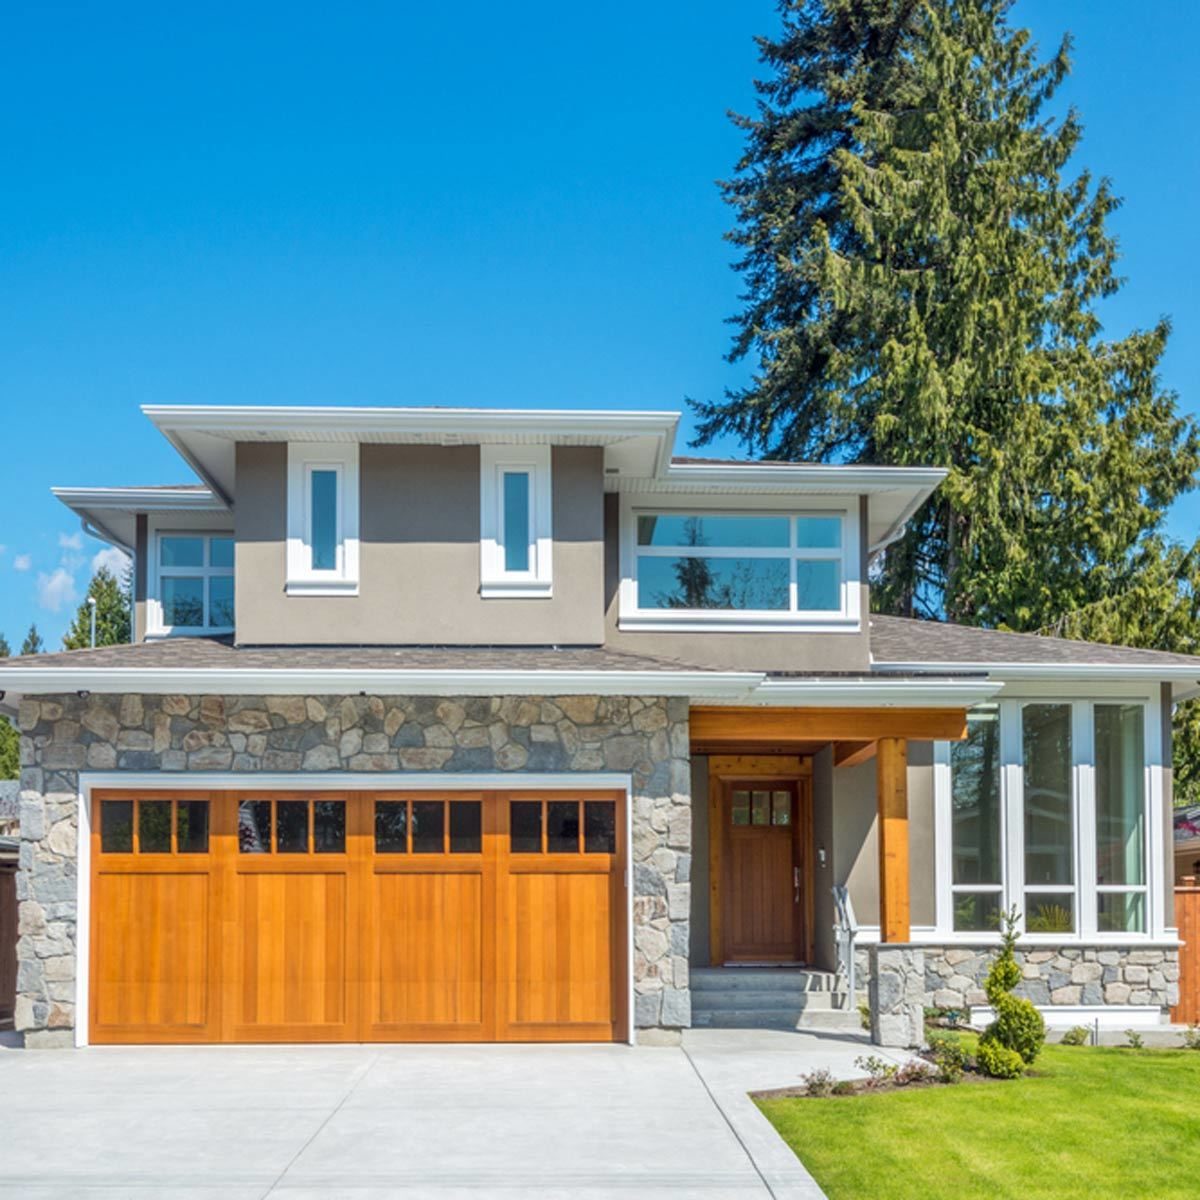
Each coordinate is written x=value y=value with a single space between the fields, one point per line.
x=739 y=569
x=322 y=547
x=192 y=589
x=515 y=522
x=1047 y=806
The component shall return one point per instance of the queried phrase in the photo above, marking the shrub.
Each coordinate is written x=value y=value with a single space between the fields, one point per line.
x=1134 y=1039
x=913 y=1071
x=844 y=1087
x=819 y=1082
x=864 y=1014
x=1018 y=1027
x=999 y=1061
x=880 y=1070
x=1191 y=1039
x=949 y=1057
x=1080 y=1035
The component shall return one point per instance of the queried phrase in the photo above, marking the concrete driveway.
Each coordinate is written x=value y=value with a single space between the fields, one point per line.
x=380 y=1121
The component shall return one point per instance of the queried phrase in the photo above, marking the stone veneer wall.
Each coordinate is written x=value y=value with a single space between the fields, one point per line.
x=1053 y=975
x=64 y=735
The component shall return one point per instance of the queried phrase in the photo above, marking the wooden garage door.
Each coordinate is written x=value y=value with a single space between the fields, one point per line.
x=330 y=916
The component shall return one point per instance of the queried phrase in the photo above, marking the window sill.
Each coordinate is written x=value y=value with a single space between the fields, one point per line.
x=714 y=622
x=524 y=589
x=321 y=587
x=193 y=631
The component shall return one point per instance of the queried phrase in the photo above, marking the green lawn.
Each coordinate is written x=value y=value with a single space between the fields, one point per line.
x=1094 y=1122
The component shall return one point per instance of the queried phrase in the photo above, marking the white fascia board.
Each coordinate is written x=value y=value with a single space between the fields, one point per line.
x=123 y=499
x=294 y=421
x=1083 y=672
x=854 y=480
x=284 y=681
x=876 y=693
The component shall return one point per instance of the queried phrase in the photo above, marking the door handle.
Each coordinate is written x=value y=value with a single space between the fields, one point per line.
x=796 y=882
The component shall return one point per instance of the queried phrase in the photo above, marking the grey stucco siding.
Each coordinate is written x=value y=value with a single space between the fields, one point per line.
x=64 y=737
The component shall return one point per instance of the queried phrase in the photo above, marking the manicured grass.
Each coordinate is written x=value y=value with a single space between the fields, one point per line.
x=1093 y=1122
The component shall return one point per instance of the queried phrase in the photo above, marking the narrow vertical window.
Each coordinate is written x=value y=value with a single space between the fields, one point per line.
x=1049 y=818
x=516 y=520
x=1120 y=817
x=323 y=519
x=977 y=859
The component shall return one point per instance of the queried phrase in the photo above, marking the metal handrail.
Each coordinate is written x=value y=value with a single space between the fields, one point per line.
x=845 y=933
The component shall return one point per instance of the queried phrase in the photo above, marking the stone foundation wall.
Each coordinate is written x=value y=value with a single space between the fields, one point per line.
x=1053 y=975
x=64 y=736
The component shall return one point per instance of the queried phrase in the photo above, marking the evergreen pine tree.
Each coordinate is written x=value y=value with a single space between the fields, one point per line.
x=113 y=610
x=33 y=643
x=922 y=279
x=5 y=651
x=10 y=750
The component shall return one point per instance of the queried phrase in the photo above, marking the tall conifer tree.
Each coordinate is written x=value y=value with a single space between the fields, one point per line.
x=923 y=272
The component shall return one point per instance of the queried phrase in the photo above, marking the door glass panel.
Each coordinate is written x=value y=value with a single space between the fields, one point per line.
x=181 y=552
x=525 y=826
x=154 y=826
x=391 y=826
x=600 y=827
x=741 y=808
x=323 y=520
x=760 y=808
x=516 y=520
x=329 y=826
x=428 y=827
x=466 y=827
x=191 y=826
x=781 y=808
x=562 y=827
x=116 y=826
x=291 y=827
x=1049 y=912
x=254 y=826
x=183 y=601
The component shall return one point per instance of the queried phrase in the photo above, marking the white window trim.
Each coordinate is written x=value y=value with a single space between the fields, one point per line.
x=303 y=459
x=495 y=582
x=1085 y=889
x=156 y=626
x=847 y=618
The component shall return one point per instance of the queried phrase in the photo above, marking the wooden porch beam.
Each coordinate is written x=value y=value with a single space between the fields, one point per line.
x=737 y=728
x=850 y=754
x=891 y=774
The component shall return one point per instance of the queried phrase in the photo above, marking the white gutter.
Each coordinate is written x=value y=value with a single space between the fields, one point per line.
x=1055 y=671
x=292 y=681
x=127 y=499
x=868 y=692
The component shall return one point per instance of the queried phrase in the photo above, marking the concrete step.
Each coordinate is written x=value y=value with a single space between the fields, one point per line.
x=775 y=1018
x=761 y=979
x=744 y=998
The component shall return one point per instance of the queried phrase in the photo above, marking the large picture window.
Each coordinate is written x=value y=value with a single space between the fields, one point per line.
x=193 y=590
x=735 y=567
x=1047 y=806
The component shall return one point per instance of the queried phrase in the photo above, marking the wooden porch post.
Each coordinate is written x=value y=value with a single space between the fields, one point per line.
x=891 y=775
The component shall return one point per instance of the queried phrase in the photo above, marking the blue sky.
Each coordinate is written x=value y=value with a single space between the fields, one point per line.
x=401 y=204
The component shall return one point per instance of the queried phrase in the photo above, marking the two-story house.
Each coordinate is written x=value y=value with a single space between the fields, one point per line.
x=452 y=724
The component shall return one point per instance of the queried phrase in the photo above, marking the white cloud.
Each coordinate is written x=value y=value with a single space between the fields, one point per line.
x=71 y=541
x=57 y=590
x=22 y=562
x=111 y=558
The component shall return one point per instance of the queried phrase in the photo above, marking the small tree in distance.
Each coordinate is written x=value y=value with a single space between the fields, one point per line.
x=112 y=613
x=33 y=643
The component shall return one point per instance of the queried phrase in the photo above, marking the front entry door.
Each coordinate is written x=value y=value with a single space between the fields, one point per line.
x=760 y=839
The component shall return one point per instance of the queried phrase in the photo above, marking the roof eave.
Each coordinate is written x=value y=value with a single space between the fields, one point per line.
x=1055 y=671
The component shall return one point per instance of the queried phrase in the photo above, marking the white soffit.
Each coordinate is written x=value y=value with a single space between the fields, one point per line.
x=111 y=513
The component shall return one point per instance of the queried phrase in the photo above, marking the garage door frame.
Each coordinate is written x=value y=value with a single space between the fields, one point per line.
x=199 y=781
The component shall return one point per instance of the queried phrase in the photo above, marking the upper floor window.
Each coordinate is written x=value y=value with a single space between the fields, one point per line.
x=192 y=588
x=322 y=545
x=515 y=521
x=739 y=568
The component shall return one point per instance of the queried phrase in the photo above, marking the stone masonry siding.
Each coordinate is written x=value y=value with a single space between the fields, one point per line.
x=1062 y=975
x=64 y=735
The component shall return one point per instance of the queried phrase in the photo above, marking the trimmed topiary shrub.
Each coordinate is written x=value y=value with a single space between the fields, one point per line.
x=999 y=1061
x=1077 y=1035
x=1018 y=1028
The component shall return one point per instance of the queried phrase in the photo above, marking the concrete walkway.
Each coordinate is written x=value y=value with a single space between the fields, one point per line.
x=441 y=1123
